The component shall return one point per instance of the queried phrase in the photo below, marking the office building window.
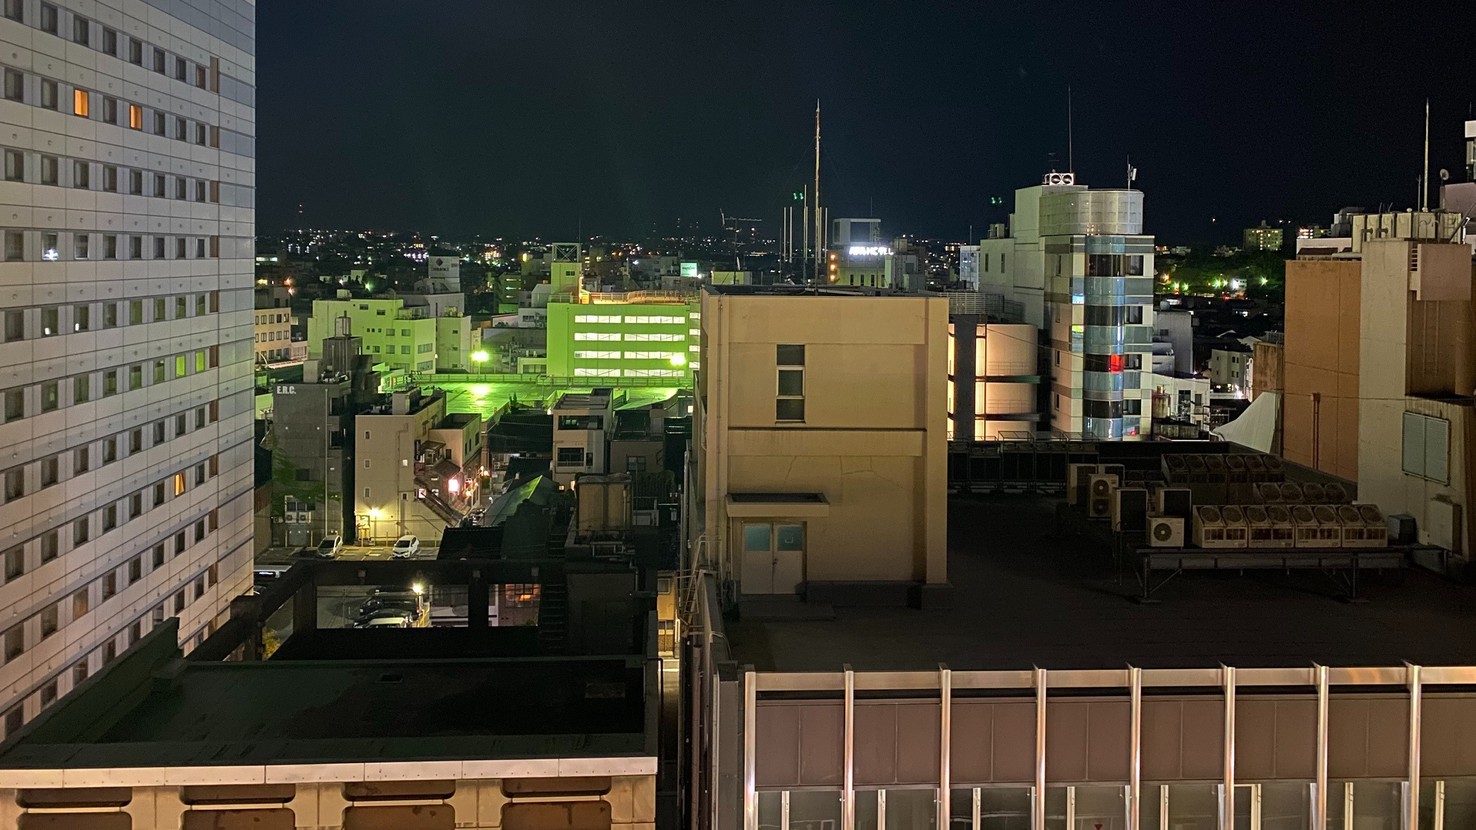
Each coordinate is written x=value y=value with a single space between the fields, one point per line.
x=15 y=251
x=110 y=178
x=81 y=30
x=135 y=53
x=109 y=42
x=789 y=402
x=15 y=85
x=50 y=95
x=48 y=18
x=16 y=10
x=15 y=166
x=50 y=170
x=15 y=404
x=15 y=325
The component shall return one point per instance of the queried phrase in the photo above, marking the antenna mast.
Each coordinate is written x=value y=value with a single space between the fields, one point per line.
x=1070 y=138
x=819 y=215
x=1425 y=167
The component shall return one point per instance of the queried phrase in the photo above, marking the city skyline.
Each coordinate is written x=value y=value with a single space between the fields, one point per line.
x=547 y=120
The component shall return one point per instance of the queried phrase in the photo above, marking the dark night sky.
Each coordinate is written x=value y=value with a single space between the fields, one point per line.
x=524 y=117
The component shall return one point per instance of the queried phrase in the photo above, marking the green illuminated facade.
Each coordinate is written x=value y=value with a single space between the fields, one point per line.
x=620 y=341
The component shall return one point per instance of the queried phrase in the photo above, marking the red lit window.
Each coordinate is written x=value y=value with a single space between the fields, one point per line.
x=1115 y=362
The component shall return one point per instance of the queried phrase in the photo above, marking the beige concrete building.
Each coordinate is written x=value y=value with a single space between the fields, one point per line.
x=1320 y=365
x=273 y=336
x=1417 y=378
x=821 y=426
x=411 y=453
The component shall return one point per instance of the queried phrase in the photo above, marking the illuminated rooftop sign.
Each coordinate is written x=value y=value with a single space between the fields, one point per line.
x=869 y=250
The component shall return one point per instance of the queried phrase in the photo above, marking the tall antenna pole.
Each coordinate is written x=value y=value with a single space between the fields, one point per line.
x=819 y=215
x=1070 y=137
x=1425 y=167
x=804 y=262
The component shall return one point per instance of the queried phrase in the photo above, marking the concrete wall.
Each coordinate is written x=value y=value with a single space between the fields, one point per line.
x=1406 y=349
x=626 y=803
x=1322 y=356
x=872 y=440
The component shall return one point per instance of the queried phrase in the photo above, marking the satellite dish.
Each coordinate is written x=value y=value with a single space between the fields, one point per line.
x=1444 y=175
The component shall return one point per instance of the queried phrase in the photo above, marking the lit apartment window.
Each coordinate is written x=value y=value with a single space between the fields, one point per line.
x=135 y=116
x=789 y=404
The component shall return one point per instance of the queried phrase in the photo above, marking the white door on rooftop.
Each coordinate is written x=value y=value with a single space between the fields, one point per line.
x=773 y=557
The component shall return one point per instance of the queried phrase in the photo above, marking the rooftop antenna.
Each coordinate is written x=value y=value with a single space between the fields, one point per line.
x=1070 y=139
x=1425 y=167
x=819 y=215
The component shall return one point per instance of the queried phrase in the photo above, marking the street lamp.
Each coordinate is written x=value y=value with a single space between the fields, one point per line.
x=478 y=358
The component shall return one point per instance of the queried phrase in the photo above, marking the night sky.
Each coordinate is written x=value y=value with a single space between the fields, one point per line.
x=539 y=117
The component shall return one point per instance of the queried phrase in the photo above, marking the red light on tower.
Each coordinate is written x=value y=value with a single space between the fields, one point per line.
x=1115 y=363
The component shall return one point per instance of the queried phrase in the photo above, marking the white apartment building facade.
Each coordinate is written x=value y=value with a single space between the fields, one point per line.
x=1078 y=262
x=127 y=129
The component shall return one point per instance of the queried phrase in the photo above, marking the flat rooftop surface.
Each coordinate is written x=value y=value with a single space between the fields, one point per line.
x=1025 y=596
x=485 y=398
x=309 y=711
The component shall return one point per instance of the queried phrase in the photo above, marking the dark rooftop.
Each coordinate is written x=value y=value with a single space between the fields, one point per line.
x=341 y=711
x=1025 y=596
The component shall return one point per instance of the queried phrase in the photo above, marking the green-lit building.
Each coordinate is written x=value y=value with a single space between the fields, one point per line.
x=625 y=336
x=417 y=333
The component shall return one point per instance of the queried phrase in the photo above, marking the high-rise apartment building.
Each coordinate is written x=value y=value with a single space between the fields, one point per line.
x=1078 y=262
x=127 y=128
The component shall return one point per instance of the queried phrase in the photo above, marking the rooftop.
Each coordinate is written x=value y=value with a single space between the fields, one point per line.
x=813 y=291
x=226 y=714
x=1025 y=596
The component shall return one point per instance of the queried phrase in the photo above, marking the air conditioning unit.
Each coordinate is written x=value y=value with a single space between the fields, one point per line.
x=1115 y=470
x=1291 y=493
x=1283 y=529
x=1174 y=501
x=1077 y=476
x=1198 y=473
x=1165 y=531
x=1337 y=493
x=1329 y=527
x=1255 y=468
x=1175 y=469
x=1314 y=493
x=1258 y=527
x=1215 y=469
x=1268 y=493
x=1375 y=524
x=1209 y=527
x=1099 y=494
x=1363 y=526
x=1275 y=471
x=1235 y=470
x=1129 y=509
x=1236 y=530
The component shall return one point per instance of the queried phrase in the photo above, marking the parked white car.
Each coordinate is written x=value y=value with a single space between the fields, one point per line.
x=330 y=547
x=405 y=547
